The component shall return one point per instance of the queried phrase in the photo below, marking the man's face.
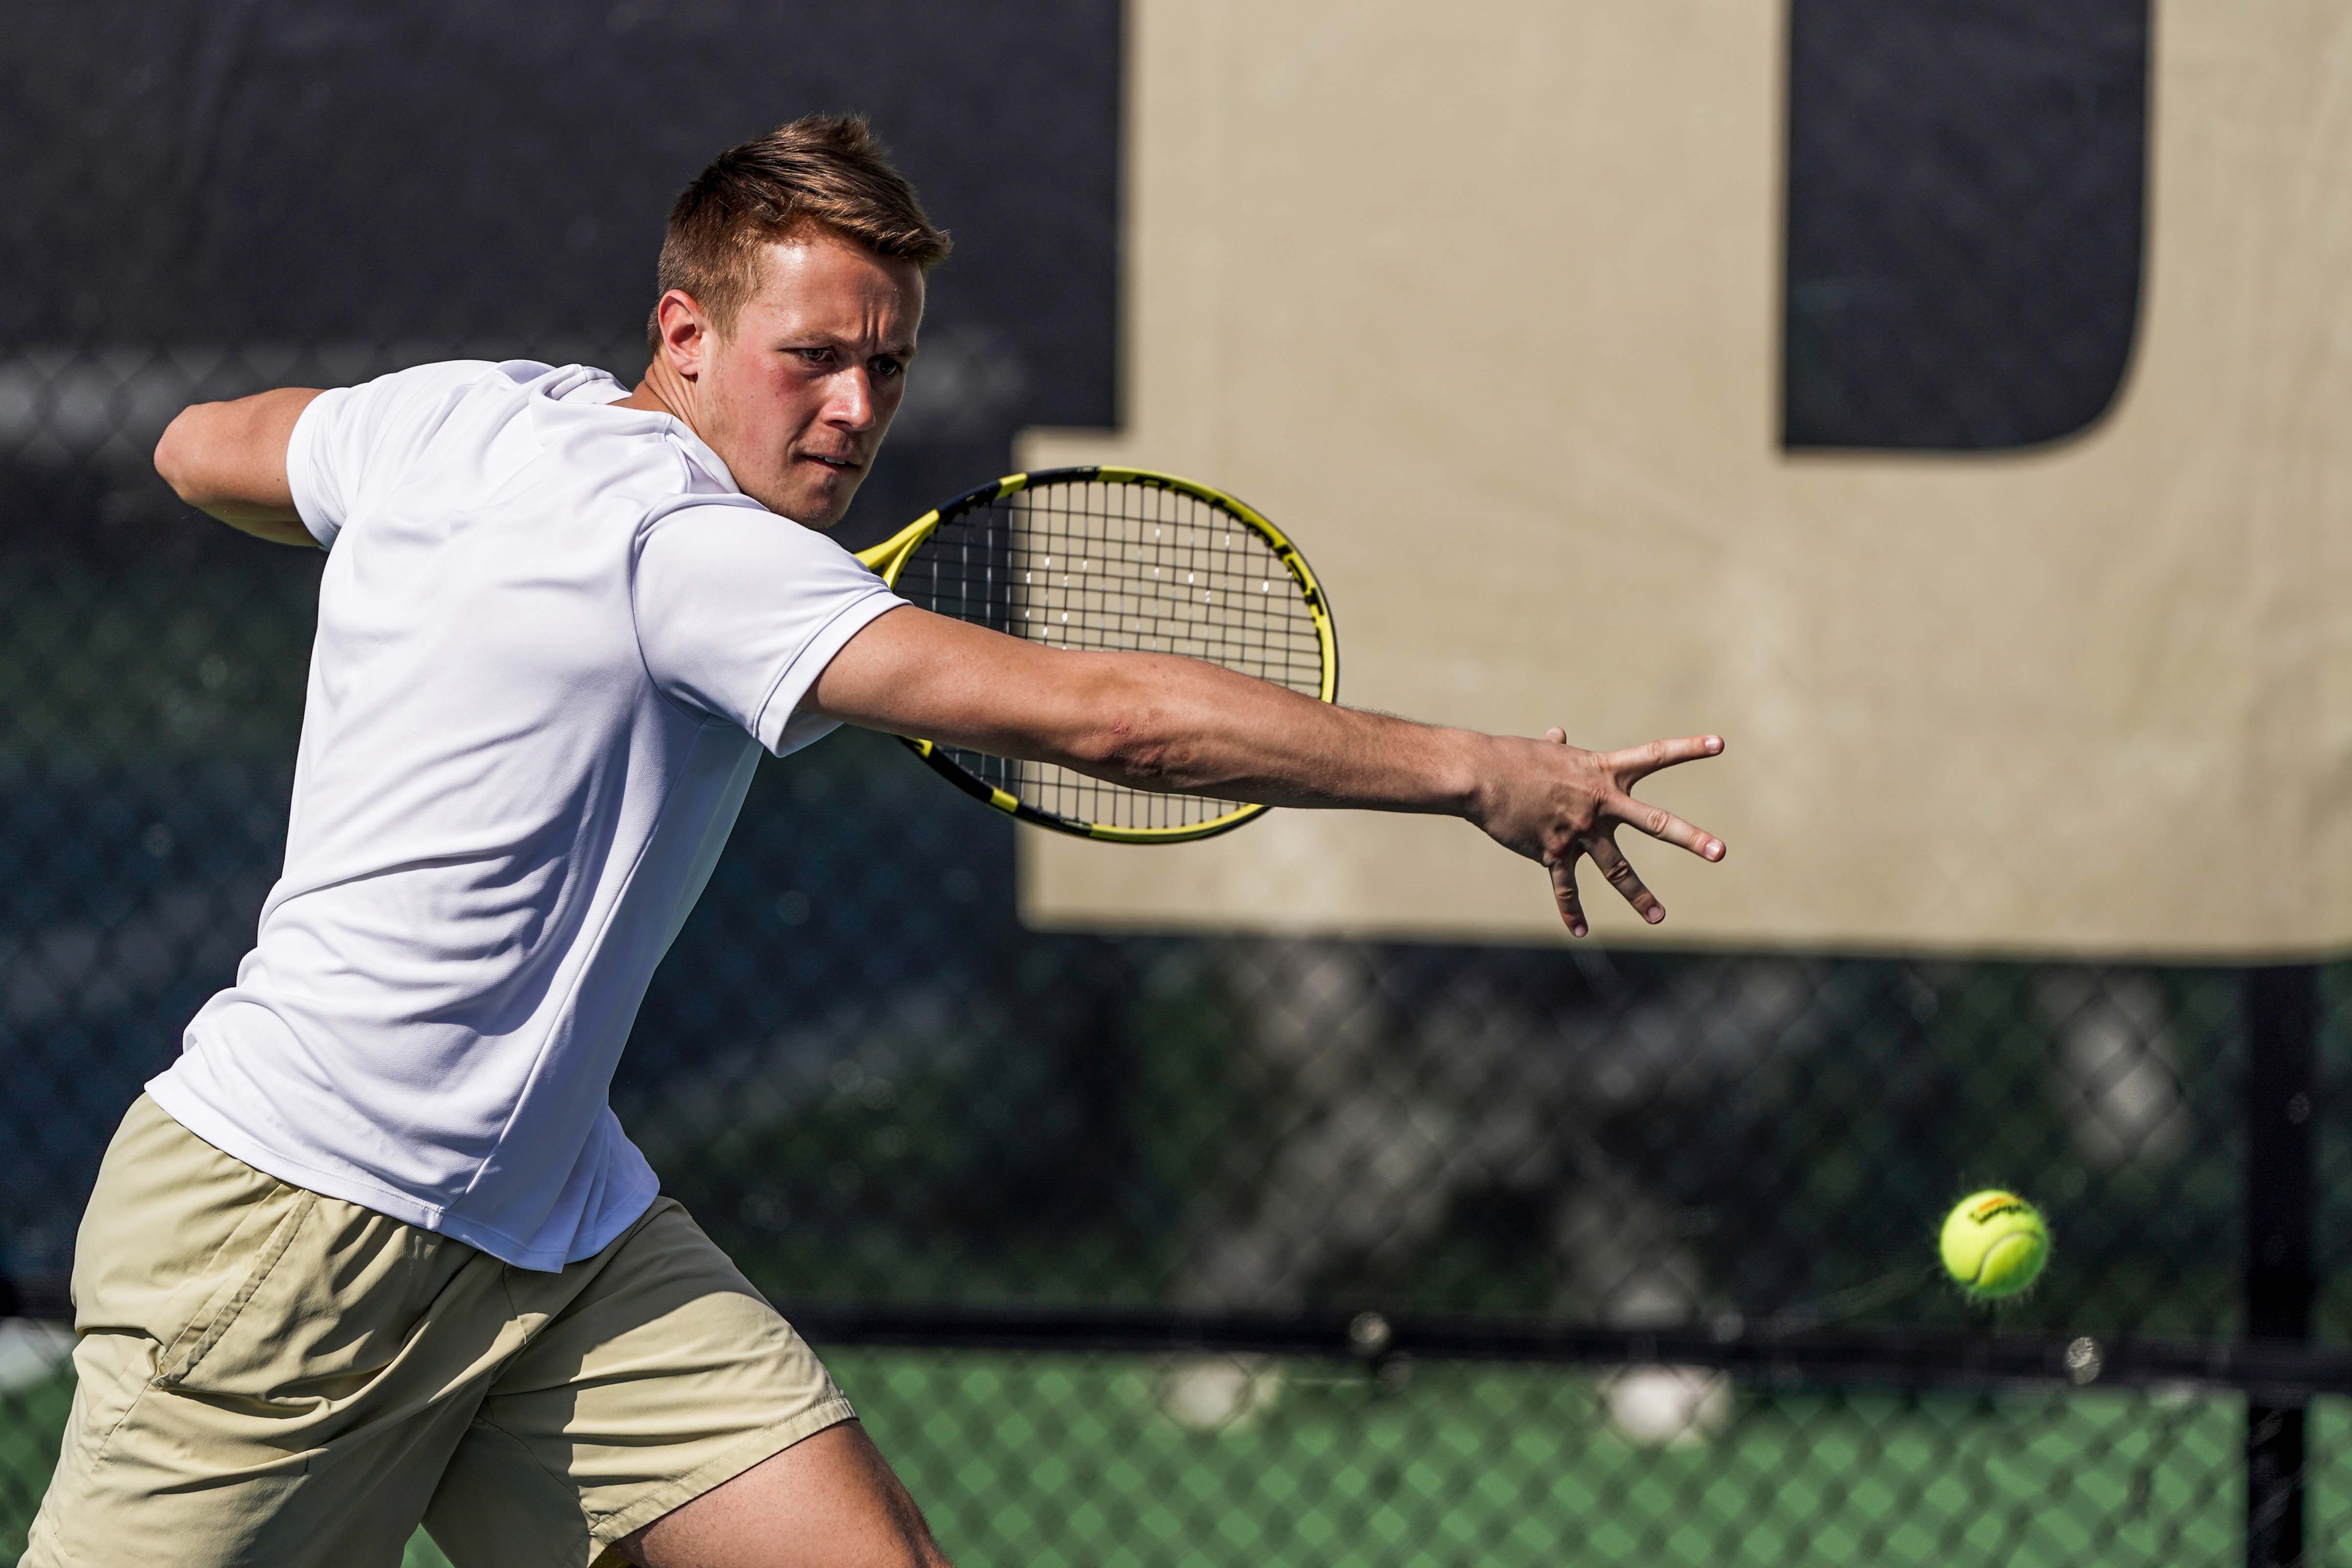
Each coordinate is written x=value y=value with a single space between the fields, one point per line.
x=796 y=396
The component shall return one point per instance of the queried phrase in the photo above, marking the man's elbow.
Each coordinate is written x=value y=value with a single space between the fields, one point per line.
x=176 y=454
x=1131 y=734
x=1126 y=747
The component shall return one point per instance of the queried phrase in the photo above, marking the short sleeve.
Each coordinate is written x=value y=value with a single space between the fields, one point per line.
x=353 y=444
x=739 y=611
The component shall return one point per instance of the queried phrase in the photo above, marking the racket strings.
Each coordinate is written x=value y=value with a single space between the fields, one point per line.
x=1134 y=568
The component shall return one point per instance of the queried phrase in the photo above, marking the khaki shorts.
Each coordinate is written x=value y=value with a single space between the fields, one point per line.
x=267 y=1376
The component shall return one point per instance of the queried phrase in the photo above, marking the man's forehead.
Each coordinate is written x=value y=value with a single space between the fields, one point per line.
x=822 y=275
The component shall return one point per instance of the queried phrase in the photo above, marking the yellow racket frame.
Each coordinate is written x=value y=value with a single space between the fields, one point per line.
x=890 y=557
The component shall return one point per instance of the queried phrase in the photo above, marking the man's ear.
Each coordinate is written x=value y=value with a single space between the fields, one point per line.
x=685 y=332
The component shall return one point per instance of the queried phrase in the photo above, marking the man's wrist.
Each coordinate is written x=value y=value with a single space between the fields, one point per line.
x=1474 y=762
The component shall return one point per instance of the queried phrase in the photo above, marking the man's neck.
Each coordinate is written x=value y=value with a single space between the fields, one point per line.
x=663 y=391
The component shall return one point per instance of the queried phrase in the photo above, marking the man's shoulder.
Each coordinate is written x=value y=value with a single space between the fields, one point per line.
x=399 y=413
x=490 y=420
x=507 y=435
x=440 y=380
x=557 y=420
x=436 y=377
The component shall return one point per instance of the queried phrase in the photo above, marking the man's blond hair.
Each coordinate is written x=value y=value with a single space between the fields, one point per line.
x=820 y=173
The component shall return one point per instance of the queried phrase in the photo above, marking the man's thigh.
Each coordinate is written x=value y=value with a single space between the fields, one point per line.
x=256 y=1383
x=827 y=1502
x=657 y=1373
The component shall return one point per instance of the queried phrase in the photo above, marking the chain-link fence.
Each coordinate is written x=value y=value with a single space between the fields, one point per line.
x=1192 y=1249
x=1132 y=1249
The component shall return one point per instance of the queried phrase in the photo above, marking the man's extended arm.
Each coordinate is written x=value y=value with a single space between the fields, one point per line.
x=229 y=460
x=1156 y=722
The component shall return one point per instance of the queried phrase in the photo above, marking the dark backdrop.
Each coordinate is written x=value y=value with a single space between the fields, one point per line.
x=882 y=1096
x=201 y=200
x=857 y=1069
x=198 y=197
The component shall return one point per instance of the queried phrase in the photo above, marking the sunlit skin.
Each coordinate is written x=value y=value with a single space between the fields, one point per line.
x=796 y=394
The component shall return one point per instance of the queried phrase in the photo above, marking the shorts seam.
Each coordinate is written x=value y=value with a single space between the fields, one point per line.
x=569 y=1488
x=566 y=1482
x=42 y=1517
x=101 y=1443
x=274 y=1251
x=605 y=1529
x=277 y=1189
x=99 y=1453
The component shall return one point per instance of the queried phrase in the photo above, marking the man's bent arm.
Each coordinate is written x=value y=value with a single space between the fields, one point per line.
x=1156 y=722
x=228 y=460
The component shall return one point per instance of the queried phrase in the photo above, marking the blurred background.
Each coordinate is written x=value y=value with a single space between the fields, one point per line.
x=1174 y=1248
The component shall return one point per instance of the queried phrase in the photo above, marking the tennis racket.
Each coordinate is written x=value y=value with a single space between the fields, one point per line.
x=1122 y=559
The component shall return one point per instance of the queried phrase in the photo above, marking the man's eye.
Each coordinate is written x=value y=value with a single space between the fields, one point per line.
x=888 y=369
x=814 y=356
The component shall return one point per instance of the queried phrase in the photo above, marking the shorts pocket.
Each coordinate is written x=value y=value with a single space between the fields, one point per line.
x=236 y=1300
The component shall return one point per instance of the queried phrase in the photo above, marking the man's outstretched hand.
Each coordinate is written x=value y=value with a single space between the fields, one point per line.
x=1157 y=721
x=1556 y=804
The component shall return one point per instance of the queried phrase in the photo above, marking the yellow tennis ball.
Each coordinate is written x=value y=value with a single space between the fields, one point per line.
x=1994 y=1243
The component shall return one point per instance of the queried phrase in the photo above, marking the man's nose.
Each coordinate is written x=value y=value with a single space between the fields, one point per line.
x=852 y=404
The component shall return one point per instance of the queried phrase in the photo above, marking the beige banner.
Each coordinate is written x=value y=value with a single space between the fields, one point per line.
x=1482 y=304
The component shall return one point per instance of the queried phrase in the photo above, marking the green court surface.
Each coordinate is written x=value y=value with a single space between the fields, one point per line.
x=1051 y=1461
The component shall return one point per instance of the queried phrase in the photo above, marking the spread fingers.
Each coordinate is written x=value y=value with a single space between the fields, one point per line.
x=1660 y=823
x=1620 y=872
x=1636 y=762
x=1563 y=889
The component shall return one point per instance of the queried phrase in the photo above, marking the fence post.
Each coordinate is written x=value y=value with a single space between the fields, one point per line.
x=2281 y=1079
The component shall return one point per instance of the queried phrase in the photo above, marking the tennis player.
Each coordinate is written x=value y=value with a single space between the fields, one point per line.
x=374 y=1249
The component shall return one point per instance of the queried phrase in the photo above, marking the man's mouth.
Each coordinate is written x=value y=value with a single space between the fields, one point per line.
x=840 y=465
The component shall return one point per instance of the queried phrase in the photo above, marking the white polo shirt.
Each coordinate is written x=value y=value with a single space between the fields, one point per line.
x=549 y=631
